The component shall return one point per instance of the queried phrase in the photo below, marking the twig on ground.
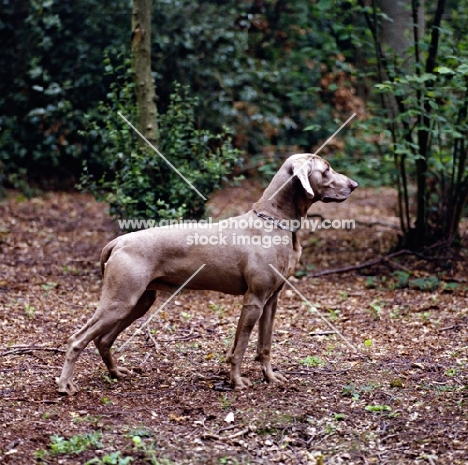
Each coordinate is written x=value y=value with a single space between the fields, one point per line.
x=226 y=428
x=217 y=436
x=359 y=266
x=182 y=338
x=27 y=399
x=316 y=372
x=377 y=261
x=448 y=328
x=27 y=349
x=377 y=223
x=210 y=436
x=146 y=358
x=239 y=433
x=150 y=336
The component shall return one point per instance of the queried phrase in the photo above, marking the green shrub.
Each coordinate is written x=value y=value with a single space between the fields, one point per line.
x=137 y=183
x=76 y=444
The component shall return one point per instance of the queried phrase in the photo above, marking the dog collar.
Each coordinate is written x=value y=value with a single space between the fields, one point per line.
x=275 y=222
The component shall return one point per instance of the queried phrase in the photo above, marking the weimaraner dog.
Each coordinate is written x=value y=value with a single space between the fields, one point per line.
x=242 y=256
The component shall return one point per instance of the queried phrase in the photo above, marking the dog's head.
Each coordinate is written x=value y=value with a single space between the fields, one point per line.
x=320 y=180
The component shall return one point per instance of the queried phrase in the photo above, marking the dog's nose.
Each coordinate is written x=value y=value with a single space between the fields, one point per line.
x=353 y=184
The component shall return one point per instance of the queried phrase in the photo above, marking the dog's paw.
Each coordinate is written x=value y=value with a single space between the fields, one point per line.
x=67 y=388
x=120 y=373
x=241 y=383
x=276 y=378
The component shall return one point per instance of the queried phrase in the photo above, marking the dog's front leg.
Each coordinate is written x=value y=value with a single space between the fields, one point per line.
x=265 y=331
x=251 y=312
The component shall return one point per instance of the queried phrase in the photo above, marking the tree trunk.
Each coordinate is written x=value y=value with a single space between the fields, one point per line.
x=400 y=36
x=396 y=31
x=141 y=65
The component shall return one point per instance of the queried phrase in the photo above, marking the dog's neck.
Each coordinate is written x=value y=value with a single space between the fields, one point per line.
x=288 y=203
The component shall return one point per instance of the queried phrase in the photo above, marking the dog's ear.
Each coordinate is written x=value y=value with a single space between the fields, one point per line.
x=302 y=169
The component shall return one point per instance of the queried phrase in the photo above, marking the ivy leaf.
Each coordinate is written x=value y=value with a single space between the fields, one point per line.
x=378 y=408
x=463 y=69
x=324 y=4
x=443 y=70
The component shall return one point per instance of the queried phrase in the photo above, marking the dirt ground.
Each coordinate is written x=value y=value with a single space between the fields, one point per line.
x=399 y=397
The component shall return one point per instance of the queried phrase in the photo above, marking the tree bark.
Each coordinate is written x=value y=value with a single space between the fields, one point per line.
x=145 y=93
x=396 y=31
x=402 y=30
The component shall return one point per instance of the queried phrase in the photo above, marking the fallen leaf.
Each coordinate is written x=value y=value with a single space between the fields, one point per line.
x=229 y=417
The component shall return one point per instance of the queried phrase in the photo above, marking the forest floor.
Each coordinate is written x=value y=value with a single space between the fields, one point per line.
x=400 y=397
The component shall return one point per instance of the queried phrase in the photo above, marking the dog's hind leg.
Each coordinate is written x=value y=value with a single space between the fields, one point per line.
x=104 y=341
x=122 y=301
x=265 y=330
x=76 y=344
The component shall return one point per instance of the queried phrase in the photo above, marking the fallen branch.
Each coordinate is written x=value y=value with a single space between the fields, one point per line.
x=377 y=223
x=211 y=436
x=362 y=223
x=217 y=437
x=377 y=261
x=448 y=328
x=26 y=399
x=239 y=433
x=359 y=266
x=26 y=349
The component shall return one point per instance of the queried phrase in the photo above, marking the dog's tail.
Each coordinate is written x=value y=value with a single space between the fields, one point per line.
x=106 y=253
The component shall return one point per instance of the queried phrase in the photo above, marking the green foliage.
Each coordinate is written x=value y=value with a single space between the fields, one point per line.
x=425 y=98
x=29 y=311
x=376 y=309
x=260 y=70
x=220 y=310
x=396 y=383
x=257 y=68
x=226 y=402
x=313 y=361
x=115 y=458
x=351 y=390
x=429 y=283
x=365 y=156
x=151 y=453
x=138 y=183
x=450 y=287
x=76 y=444
x=378 y=408
x=401 y=280
x=141 y=431
x=45 y=89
